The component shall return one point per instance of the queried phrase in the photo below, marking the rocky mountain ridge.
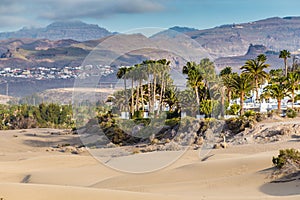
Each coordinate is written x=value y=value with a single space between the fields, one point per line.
x=75 y=30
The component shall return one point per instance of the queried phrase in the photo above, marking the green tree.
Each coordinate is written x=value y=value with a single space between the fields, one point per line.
x=277 y=91
x=255 y=69
x=123 y=74
x=194 y=77
x=285 y=54
x=292 y=81
x=242 y=85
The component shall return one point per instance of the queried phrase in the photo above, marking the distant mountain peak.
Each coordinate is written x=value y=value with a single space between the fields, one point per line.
x=69 y=23
x=70 y=29
x=183 y=29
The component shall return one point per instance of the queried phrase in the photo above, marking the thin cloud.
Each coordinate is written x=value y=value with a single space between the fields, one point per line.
x=15 y=13
x=58 y=10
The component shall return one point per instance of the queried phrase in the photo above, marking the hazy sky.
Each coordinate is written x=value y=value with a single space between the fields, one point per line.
x=123 y=15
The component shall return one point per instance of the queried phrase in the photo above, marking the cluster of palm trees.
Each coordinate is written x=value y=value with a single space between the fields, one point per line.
x=281 y=83
x=152 y=86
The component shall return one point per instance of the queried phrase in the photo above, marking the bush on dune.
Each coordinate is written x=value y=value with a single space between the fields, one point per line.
x=286 y=156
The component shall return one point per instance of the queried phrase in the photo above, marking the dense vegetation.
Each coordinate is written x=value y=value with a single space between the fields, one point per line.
x=149 y=88
x=28 y=116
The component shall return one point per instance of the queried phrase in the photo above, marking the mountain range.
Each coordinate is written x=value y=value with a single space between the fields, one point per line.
x=69 y=43
x=75 y=30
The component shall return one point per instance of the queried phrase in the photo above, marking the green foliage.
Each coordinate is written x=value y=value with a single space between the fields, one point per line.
x=138 y=114
x=210 y=107
x=172 y=122
x=226 y=71
x=291 y=113
x=237 y=125
x=286 y=155
x=27 y=116
x=234 y=109
x=173 y=114
x=249 y=113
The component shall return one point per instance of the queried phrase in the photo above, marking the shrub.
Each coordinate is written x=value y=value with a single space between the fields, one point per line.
x=237 y=125
x=249 y=113
x=172 y=122
x=291 y=113
x=285 y=156
x=260 y=116
x=138 y=114
x=234 y=109
x=173 y=114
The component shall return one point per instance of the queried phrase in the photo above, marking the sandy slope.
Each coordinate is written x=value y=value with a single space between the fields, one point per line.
x=28 y=171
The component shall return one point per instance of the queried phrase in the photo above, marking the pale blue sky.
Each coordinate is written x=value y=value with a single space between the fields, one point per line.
x=123 y=15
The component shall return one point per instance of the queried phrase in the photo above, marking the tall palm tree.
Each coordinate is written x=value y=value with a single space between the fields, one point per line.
x=292 y=81
x=254 y=68
x=130 y=75
x=207 y=69
x=122 y=74
x=226 y=78
x=194 y=78
x=242 y=85
x=148 y=68
x=163 y=75
x=285 y=54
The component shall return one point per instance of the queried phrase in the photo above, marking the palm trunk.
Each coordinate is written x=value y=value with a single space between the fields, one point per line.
x=161 y=93
x=126 y=97
x=293 y=98
x=285 y=66
x=222 y=101
x=154 y=91
x=229 y=95
x=197 y=96
x=256 y=89
x=142 y=96
x=137 y=97
x=132 y=98
x=278 y=105
x=149 y=95
x=242 y=103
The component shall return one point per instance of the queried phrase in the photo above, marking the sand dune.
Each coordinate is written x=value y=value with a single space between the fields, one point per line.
x=29 y=171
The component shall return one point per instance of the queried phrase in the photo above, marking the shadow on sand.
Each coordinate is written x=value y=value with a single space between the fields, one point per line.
x=285 y=186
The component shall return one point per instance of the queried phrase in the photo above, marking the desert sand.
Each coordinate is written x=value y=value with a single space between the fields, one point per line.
x=30 y=170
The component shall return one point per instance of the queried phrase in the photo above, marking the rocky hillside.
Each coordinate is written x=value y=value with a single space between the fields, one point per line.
x=234 y=39
x=253 y=50
x=75 y=30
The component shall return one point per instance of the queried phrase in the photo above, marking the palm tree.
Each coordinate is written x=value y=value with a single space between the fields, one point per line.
x=148 y=68
x=226 y=76
x=292 y=81
x=285 y=54
x=164 y=67
x=122 y=74
x=254 y=68
x=187 y=99
x=118 y=100
x=194 y=78
x=130 y=75
x=242 y=85
x=277 y=91
x=171 y=98
x=227 y=70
